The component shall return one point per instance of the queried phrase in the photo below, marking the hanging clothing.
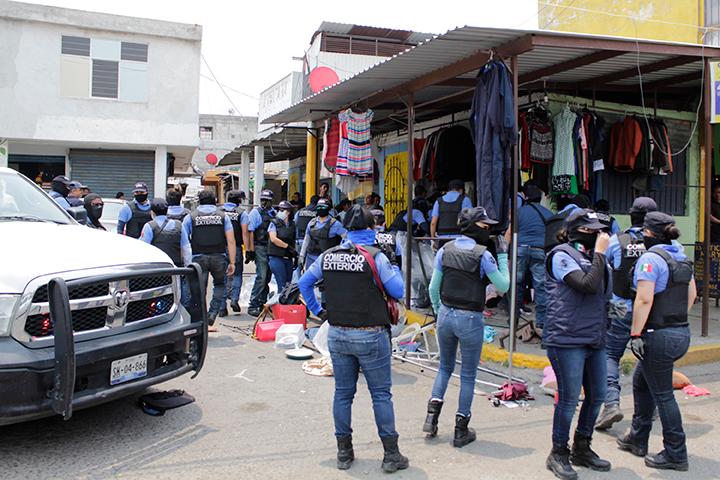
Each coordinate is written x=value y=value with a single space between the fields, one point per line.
x=564 y=161
x=625 y=143
x=454 y=155
x=418 y=148
x=341 y=168
x=359 y=155
x=331 y=143
x=492 y=122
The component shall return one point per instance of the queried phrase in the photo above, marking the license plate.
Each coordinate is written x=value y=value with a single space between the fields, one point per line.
x=127 y=369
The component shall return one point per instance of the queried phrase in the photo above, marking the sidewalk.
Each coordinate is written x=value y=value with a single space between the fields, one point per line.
x=702 y=349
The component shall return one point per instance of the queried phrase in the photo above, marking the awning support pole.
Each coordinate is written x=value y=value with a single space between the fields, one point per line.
x=513 y=212
x=411 y=153
x=708 y=200
x=311 y=167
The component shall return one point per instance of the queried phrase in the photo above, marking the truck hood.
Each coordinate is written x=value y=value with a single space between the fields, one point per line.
x=29 y=250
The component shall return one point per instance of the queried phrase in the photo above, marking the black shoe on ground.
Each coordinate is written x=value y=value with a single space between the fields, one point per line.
x=463 y=434
x=235 y=306
x=558 y=462
x=345 y=453
x=583 y=456
x=431 y=421
x=393 y=460
x=661 y=462
x=223 y=313
x=211 y=318
x=254 y=312
x=610 y=415
x=626 y=444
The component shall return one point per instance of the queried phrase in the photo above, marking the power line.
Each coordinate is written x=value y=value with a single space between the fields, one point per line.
x=232 y=89
x=220 y=85
x=552 y=19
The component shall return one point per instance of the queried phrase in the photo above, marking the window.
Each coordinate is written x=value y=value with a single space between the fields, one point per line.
x=102 y=68
x=206 y=133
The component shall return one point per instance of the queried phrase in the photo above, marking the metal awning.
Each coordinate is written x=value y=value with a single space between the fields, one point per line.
x=443 y=69
x=281 y=143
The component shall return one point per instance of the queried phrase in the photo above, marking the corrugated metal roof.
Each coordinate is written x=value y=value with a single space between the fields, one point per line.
x=369 y=31
x=460 y=43
x=280 y=144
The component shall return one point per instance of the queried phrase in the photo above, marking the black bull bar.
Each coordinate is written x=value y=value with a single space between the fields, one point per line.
x=59 y=299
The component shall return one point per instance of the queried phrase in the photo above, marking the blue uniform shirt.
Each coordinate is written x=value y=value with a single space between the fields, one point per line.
x=243 y=218
x=562 y=265
x=126 y=213
x=175 y=209
x=652 y=267
x=531 y=227
x=255 y=219
x=450 y=196
x=59 y=199
x=389 y=274
x=417 y=217
x=488 y=264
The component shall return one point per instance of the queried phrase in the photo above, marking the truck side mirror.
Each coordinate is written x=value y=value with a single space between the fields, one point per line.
x=79 y=214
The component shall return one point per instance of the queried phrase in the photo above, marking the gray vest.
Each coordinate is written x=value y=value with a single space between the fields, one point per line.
x=461 y=285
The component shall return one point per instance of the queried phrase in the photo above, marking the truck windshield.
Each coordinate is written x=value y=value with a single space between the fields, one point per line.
x=22 y=200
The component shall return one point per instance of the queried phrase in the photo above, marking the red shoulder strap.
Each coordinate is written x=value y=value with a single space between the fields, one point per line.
x=373 y=267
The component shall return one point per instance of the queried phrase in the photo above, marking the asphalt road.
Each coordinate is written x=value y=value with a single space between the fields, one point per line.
x=257 y=415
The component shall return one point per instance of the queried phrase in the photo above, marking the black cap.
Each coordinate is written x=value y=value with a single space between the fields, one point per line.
x=62 y=179
x=140 y=187
x=159 y=205
x=456 y=184
x=656 y=222
x=266 y=195
x=473 y=215
x=358 y=218
x=643 y=205
x=584 y=217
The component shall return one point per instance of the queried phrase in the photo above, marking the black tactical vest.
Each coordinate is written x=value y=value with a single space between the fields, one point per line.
x=208 y=232
x=234 y=217
x=179 y=216
x=448 y=213
x=387 y=243
x=461 y=285
x=260 y=235
x=286 y=233
x=670 y=307
x=320 y=237
x=352 y=298
x=138 y=219
x=631 y=248
x=304 y=216
x=168 y=241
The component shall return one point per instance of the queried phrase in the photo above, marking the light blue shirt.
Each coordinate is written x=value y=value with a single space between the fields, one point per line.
x=126 y=213
x=450 y=196
x=147 y=236
x=59 y=199
x=417 y=217
x=390 y=275
x=652 y=267
x=255 y=219
x=175 y=209
x=488 y=264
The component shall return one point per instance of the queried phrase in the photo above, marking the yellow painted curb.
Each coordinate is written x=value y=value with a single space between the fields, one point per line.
x=496 y=354
x=696 y=355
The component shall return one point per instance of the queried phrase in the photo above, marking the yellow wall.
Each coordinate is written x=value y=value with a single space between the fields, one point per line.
x=670 y=20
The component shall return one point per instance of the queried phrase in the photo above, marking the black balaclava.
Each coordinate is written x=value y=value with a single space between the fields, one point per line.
x=479 y=234
x=322 y=211
x=141 y=197
x=587 y=240
x=94 y=212
x=60 y=187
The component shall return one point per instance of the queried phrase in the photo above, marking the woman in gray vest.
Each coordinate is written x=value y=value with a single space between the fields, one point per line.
x=463 y=269
x=578 y=289
x=281 y=249
x=660 y=335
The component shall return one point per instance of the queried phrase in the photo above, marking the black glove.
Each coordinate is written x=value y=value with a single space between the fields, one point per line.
x=501 y=245
x=295 y=262
x=249 y=256
x=637 y=347
x=322 y=315
x=291 y=252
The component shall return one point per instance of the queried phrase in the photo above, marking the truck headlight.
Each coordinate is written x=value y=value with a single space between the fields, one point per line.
x=7 y=308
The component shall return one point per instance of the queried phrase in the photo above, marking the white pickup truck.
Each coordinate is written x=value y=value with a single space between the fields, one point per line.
x=85 y=316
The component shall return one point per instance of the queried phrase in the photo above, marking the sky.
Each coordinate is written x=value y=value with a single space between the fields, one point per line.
x=249 y=45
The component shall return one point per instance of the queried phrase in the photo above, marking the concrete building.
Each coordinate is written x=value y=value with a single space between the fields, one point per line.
x=219 y=135
x=105 y=99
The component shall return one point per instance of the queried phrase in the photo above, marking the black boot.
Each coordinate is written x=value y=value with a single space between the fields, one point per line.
x=393 y=460
x=558 y=462
x=627 y=444
x=463 y=434
x=431 y=421
x=345 y=455
x=583 y=456
x=662 y=462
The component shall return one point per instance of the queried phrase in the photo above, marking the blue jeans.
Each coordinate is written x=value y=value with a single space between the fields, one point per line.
x=282 y=269
x=466 y=328
x=261 y=287
x=574 y=368
x=618 y=336
x=369 y=350
x=652 y=387
x=214 y=264
x=532 y=259
x=233 y=283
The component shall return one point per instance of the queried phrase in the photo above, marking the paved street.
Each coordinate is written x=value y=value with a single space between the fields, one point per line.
x=257 y=415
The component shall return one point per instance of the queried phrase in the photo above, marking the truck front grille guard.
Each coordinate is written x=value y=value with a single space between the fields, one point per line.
x=59 y=299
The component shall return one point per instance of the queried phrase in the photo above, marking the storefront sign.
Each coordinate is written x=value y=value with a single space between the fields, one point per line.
x=714 y=268
x=715 y=92
x=280 y=96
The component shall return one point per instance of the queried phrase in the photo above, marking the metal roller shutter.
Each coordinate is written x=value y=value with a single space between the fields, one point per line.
x=108 y=172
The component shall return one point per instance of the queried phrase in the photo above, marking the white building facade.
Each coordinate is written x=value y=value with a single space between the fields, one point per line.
x=104 y=99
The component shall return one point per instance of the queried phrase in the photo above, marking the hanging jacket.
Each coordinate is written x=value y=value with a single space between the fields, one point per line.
x=628 y=140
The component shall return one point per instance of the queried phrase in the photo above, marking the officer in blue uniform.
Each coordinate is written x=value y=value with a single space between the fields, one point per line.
x=59 y=191
x=134 y=215
x=74 y=196
x=175 y=209
x=358 y=335
x=623 y=252
x=281 y=249
x=240 y=220
x=323 y=232
x=302 y=218
x=258 y=238
x=660 y=335
x=212 y=239
x=445 y=212
x=578 y=288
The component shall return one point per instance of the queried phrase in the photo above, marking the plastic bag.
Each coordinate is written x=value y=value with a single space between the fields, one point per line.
x=321 y=339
